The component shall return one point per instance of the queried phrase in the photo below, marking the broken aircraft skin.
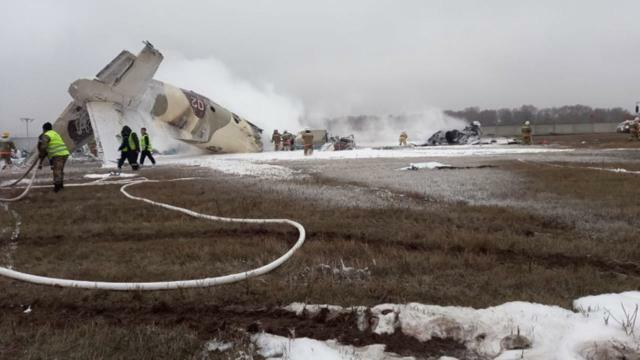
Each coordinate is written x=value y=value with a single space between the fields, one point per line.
x=471 y=134
x=125 y=93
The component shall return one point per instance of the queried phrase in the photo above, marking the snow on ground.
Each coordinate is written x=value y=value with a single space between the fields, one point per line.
x=255 y=163
x=603 y=327
x=279 y=347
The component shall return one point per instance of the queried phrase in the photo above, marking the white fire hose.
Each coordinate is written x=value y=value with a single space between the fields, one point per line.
x=162 y=285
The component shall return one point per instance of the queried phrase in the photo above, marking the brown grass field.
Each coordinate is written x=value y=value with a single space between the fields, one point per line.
x=573 y=232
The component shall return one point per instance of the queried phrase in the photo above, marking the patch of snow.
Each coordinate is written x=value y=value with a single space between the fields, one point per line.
x=280 y=348
x=555 y=333
x=218 y=345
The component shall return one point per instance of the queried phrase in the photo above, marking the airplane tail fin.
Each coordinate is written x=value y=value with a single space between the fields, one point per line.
x=130 y=75
x=135 y=79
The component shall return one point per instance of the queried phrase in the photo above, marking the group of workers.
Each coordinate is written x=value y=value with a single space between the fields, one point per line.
x=282 y=142
x=285 y=141
x=52 y=146
x=132 y=146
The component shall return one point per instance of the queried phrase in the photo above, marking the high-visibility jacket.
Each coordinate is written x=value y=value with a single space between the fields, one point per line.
x=131 y=144
x=56 y=145
x=145 y=144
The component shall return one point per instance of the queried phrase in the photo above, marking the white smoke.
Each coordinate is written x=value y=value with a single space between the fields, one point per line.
x=260 y=104
x=385 y=129
x=269 y=109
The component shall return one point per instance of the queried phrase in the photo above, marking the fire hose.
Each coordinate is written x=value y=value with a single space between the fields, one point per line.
x=161 y=285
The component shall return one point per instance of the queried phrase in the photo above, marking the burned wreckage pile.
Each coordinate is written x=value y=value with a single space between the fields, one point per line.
x=469 y=135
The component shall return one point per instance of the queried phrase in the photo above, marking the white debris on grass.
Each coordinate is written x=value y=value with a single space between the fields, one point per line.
x=554 y=333
x=107 y=175
x=425 y=165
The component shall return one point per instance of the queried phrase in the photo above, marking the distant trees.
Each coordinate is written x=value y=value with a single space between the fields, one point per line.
x=568 y=114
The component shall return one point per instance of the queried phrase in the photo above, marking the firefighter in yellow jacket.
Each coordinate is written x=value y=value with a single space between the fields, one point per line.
x=51 y=145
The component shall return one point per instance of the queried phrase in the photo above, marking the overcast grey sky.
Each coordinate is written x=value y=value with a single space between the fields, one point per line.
x=337 y=57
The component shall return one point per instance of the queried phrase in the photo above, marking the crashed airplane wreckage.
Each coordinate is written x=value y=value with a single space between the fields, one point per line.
x=125 y=93
x=470 y=135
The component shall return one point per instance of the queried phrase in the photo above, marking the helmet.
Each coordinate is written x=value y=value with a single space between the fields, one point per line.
x=526 y=122
x=5 y=134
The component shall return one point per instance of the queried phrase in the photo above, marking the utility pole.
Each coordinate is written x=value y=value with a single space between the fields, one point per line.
x=27 y=121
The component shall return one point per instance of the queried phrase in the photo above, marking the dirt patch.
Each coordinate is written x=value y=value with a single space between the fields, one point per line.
x=592 y=141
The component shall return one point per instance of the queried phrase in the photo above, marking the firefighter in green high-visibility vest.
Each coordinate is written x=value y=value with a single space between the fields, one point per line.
x=129 y=148
x=51 y=145
x=145 y=147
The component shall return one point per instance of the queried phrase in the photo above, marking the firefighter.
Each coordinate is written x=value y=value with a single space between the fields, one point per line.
x=129 y=148
x=145 y=147
x=276 y=139
x=51 y=145
x=403 y=138
x=526 y=132
x=6 y=146
x=287 y=141
x=634 y=129
x=307 y=139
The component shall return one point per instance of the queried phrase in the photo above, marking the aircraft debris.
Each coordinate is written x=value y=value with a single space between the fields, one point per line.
x=125 y=93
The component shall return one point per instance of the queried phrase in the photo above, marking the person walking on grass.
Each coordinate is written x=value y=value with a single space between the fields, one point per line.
x=51 y=145
x=145 y=147
x=129 y=148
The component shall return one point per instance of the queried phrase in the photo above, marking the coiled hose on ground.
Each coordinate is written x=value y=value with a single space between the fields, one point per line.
x=159 y=285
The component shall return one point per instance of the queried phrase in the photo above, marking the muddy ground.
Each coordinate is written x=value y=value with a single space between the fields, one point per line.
x=541 y=228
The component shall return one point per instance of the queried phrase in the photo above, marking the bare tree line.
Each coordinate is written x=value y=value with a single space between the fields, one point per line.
x=568 y=114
